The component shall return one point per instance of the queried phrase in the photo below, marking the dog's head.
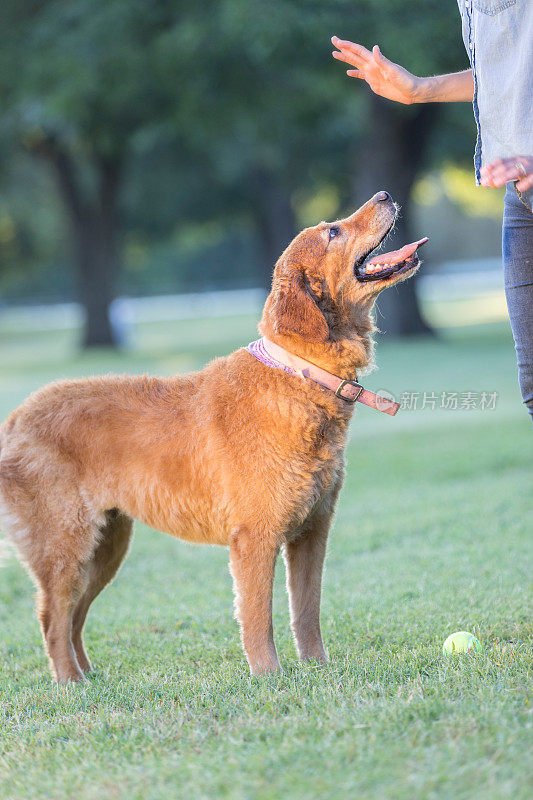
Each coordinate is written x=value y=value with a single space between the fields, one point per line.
x=325 y=285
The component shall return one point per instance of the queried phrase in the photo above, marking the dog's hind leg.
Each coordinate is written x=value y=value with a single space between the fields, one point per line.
x=105 y=562
x=56 y=531
x=55 y=603
x=60 y=563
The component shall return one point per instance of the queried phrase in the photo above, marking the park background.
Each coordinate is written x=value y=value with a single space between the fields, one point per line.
x=155 y=159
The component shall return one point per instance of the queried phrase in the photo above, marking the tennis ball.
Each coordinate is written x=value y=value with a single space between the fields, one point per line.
x=461 y=642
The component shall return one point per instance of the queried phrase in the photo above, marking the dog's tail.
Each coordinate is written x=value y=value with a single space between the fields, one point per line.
x=13 y=532
x=3 y=532
x=6 y=518
x=4 y=521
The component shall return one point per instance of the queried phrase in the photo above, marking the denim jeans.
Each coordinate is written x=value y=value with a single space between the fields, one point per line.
x=517 y=246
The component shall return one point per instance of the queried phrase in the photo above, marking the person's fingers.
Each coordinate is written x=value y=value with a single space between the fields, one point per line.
x=378 y=55
x=510 y=172
x=352 y=48
x=497 y=179
x=348 y=58
x=503 y=166
x=500 y=165
x=356 y=73
x=501 y=171
x=487 y=178
x=498 y=162
x=525 y=183
x=380 y=59
x=525 y=161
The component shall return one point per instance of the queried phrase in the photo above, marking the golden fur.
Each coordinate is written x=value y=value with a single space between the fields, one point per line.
x=237 y=454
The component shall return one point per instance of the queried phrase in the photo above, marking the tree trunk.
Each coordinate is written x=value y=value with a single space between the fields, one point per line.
x=95 y=281
x=390 y=159
x=98 y=260
x=275 y=220
x=93 y=226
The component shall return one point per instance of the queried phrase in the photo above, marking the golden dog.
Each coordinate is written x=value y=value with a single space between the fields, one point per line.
x=238 y=454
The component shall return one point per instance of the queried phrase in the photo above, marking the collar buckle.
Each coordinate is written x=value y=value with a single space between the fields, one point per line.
x=356 y=386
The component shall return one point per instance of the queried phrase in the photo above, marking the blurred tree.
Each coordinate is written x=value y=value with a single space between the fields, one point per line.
x=213 y=91
x=81 y=85
x=223 y=111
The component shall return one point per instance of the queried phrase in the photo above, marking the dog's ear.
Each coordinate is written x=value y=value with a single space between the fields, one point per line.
x=295 y=310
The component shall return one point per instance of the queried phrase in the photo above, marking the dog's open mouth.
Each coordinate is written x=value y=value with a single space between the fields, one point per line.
x=384 y=265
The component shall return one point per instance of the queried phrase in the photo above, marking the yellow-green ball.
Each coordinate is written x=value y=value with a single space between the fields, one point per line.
x=461 y=642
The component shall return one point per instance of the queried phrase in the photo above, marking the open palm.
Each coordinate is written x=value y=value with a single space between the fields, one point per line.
x=384 y=77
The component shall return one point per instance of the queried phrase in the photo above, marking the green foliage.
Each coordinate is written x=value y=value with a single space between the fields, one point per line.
x=200 y=101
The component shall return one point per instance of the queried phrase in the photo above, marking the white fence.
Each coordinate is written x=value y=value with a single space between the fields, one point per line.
x=455 y=280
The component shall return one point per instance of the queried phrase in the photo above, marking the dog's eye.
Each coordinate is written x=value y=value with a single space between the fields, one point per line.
x=333 y=232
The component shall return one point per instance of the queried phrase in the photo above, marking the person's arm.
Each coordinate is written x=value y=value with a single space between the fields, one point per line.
x=392 y=81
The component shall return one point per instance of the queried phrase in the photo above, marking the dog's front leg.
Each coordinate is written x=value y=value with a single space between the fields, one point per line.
x=304 y=560
x=252 y=562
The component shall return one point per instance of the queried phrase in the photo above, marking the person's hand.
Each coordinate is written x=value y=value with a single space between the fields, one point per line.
x=383 y=76
x=517 y=168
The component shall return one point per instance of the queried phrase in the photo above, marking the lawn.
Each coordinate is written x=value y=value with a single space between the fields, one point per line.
x=432 y=535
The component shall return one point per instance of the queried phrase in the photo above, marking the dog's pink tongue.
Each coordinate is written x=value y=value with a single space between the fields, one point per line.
x=396 y=256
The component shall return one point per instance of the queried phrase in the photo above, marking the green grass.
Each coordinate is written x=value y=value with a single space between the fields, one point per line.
x=433 y=534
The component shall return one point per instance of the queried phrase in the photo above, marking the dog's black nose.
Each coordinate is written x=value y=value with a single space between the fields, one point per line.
x=380 y=196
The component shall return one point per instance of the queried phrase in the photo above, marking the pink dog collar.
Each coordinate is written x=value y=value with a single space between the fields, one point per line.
x=276 y=357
